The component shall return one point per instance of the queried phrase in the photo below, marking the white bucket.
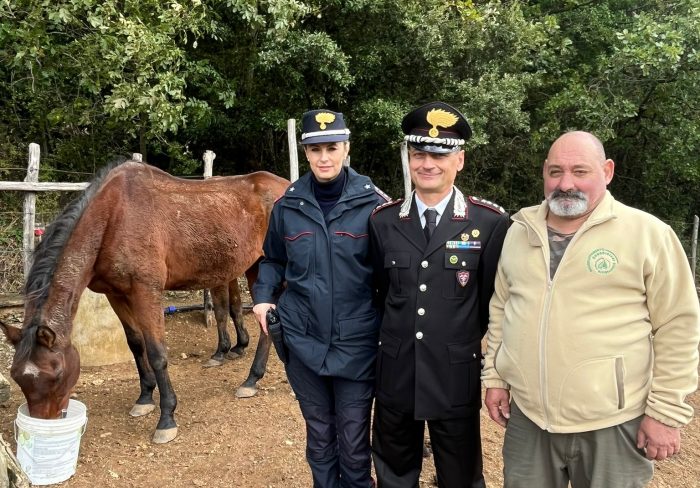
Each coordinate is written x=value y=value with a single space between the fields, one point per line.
x=47 y=450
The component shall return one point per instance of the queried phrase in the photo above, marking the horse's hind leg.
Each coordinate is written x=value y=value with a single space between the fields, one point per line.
x=257 y=369
x=236 y=311
x=134 y=338
x=219 y=296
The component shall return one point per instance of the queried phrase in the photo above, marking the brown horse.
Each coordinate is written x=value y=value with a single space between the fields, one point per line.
x=133 y=233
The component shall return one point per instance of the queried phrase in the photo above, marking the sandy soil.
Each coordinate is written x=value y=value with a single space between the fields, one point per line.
x=224 y=441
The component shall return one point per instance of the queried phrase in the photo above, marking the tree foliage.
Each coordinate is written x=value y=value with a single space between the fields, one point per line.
x=87 y=79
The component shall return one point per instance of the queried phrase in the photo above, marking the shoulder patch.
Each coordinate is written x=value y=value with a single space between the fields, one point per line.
x=387 y=205
x=487 y=204
x=379 y=192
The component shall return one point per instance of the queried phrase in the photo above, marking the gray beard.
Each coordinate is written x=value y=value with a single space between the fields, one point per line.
x=571 y=204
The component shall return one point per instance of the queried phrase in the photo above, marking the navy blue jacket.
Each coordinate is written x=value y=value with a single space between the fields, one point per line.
x=326 y=309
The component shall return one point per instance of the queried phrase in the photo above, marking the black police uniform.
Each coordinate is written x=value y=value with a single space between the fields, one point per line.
x=435 y=312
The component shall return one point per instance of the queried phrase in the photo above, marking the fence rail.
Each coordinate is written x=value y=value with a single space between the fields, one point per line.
x=16 y=255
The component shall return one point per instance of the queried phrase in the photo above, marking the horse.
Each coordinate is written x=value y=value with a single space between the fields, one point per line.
x=134 y=232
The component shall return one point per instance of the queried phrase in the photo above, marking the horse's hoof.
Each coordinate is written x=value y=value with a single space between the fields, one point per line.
x=212 y=363
x=164 y=435
x=233 y=354
x=246 y=391
x=139 y=410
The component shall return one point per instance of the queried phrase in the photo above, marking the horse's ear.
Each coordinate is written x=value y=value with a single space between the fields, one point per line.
x=13 y=334
x=45 y=336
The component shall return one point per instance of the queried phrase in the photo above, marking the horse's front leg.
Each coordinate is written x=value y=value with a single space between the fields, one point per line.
x=134 y=338
x=219 y=297
x=236 y=311
x=145 y=304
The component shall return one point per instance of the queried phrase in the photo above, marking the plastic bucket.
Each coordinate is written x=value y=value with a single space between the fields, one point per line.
x=47 y=450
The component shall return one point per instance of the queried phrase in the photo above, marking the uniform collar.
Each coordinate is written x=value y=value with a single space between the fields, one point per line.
x=459 y=208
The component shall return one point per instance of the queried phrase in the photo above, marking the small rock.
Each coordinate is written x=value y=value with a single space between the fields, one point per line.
x=183 y=355
x=97 y=382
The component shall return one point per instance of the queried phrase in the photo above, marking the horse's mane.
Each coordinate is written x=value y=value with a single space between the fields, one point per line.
x=48 y=252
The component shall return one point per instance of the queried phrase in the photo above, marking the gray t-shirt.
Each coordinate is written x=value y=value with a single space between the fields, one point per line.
x=557 y=245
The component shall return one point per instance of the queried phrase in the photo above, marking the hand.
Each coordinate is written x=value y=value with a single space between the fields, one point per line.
x=658 y=440
x=260 y=311
x=498 y=404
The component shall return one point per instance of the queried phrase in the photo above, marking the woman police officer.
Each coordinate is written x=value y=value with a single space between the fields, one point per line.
x=317 y=243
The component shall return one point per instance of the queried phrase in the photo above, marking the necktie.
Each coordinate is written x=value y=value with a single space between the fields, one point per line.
x=430 y=222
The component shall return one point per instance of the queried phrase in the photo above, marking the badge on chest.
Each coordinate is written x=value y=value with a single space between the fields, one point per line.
x=462 y=278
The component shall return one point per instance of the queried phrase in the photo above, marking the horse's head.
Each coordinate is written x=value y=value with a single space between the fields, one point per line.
x=45 y=367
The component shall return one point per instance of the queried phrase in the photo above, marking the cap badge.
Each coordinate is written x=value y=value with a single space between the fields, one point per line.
x=476 y=233
x=464 y=237
x=439 y=117
x=324 y=118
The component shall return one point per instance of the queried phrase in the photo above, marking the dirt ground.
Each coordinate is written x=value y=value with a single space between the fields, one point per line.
x=224 y=441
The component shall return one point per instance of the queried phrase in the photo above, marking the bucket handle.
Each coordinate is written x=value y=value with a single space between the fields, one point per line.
x=84 y=427
x=14 y=426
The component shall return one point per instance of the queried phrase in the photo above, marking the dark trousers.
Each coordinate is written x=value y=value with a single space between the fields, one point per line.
x=337 y=414
x=397 y=449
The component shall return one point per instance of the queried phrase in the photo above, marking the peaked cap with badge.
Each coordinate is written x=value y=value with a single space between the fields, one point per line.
x=323 y=126
x=436 y=127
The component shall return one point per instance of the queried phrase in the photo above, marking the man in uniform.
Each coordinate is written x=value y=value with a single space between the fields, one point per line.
x=435 y=257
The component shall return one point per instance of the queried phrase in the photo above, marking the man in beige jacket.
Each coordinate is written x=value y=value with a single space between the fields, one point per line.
x=593 y=333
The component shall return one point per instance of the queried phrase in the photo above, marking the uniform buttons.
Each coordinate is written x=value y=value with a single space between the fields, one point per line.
x=393 y=263
x=301 y=203
x=424 y=264
x=422 y=287
x=474 y=355
x=380 y=343
x=464 y=263
x=419 y=335
x=421 y=311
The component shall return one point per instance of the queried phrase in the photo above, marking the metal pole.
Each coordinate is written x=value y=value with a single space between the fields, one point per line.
x=293 y=154
x=694 y=248
x=406 y=173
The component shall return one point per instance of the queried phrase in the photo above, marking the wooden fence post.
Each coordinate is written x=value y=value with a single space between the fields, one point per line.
x=293 y=153
x=208 y=303
x=30 y=208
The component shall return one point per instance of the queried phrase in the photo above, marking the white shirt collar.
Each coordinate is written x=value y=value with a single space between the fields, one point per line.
x=440 y=207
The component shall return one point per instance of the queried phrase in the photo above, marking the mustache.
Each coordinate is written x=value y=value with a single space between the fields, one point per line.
x=570 y=195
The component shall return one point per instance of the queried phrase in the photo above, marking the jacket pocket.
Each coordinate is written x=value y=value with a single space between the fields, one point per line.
x=300 y=254
x=294 y=322
x=460 y=273
x=592 y=390
x=465 y=368
x=398 y=265
x=387 y=366
x=509 y=371
x=355 y=327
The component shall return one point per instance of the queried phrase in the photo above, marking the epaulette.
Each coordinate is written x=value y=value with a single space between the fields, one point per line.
x=381 y=194
x=387 y=205
x=487 y=204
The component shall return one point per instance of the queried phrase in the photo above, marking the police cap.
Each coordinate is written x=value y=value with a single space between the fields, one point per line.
x=321 y=126
x=436 y=127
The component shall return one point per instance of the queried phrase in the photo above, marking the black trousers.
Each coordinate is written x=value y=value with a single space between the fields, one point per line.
x=397 y=449
x=337 y=415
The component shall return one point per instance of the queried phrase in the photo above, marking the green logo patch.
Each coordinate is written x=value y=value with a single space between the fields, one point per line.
x=602 y=261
